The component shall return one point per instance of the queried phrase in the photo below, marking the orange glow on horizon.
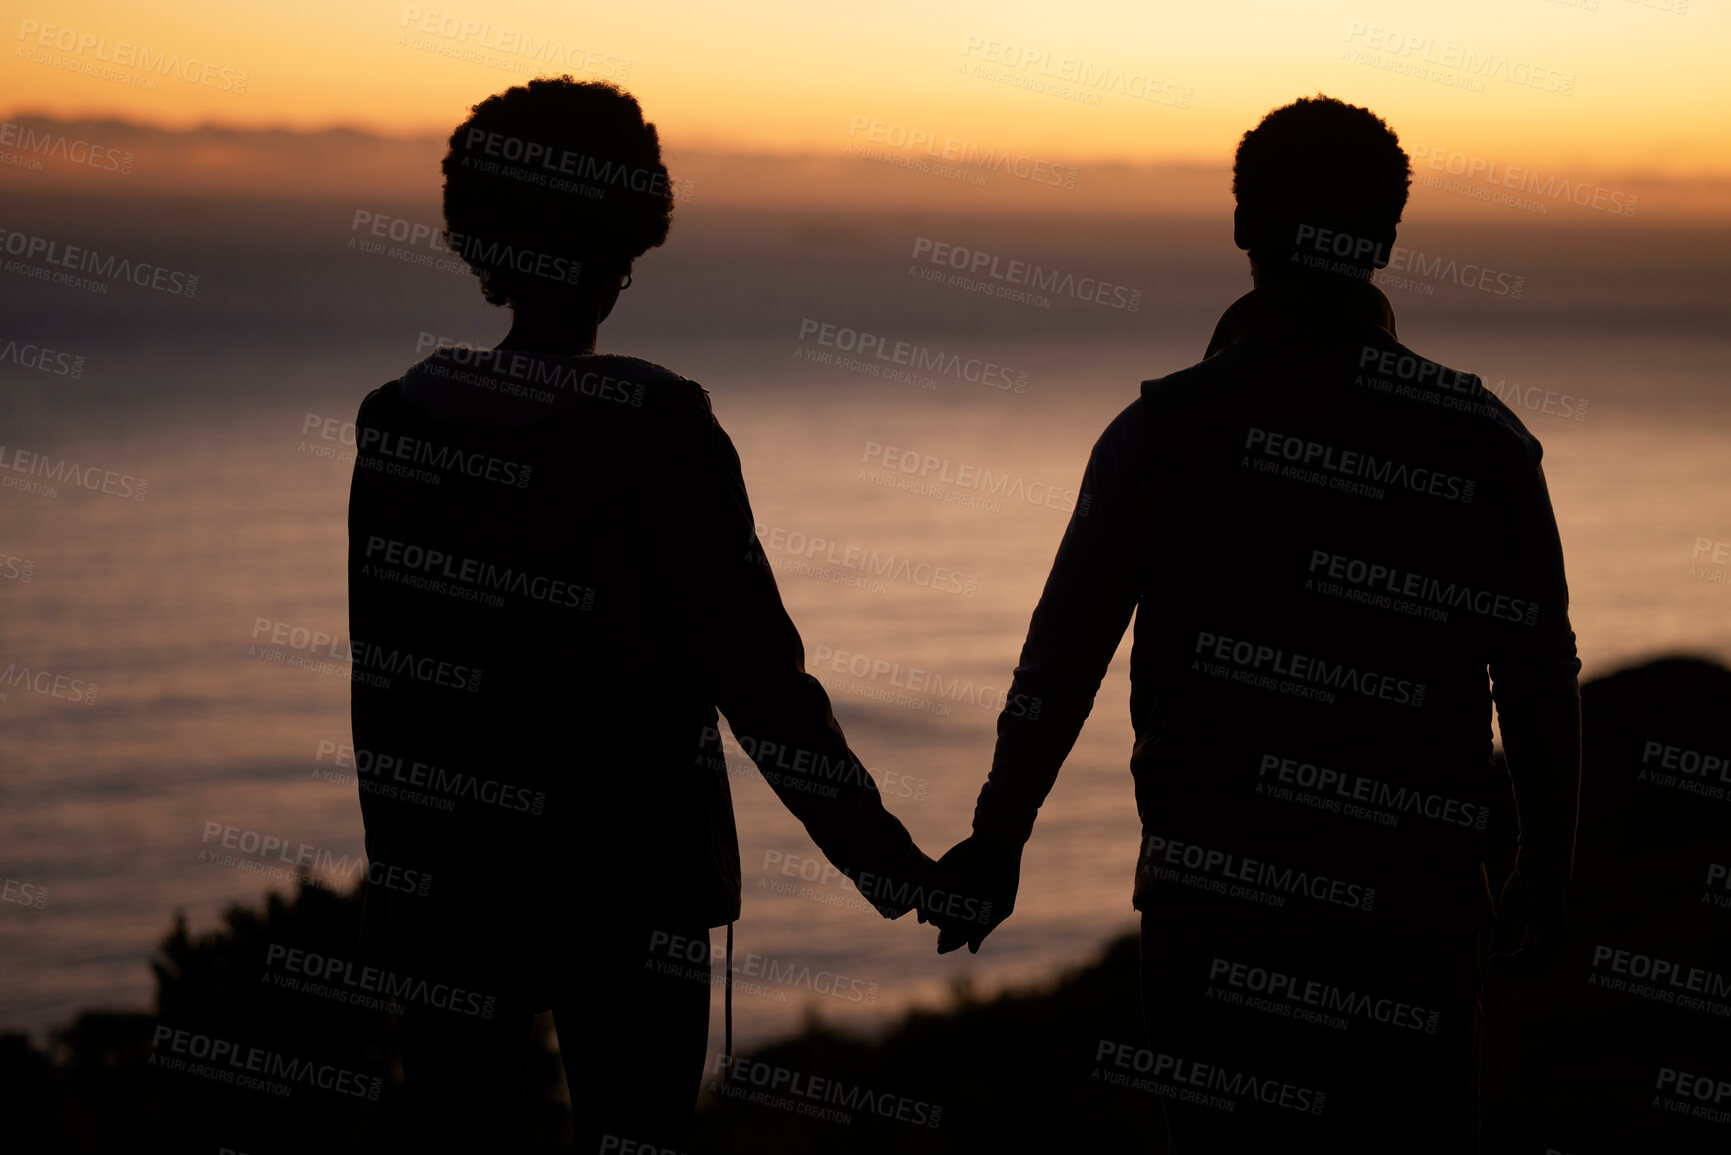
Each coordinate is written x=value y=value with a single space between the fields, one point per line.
x=1630 y=85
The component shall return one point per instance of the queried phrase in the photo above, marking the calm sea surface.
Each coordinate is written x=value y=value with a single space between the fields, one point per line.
x=1614 y=354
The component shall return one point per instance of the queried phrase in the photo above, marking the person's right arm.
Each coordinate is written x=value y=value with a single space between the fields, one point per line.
x=752 y=662
x=1533 y=676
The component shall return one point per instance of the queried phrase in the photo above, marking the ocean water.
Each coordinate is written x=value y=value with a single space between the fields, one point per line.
x=229 y=406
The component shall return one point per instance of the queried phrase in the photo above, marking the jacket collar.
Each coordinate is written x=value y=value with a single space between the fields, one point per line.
x=1311 y=306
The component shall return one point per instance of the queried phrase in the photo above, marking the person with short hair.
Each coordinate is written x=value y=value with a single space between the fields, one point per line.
x=1336 y=551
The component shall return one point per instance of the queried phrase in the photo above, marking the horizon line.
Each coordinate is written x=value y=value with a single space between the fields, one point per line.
x=356 y=129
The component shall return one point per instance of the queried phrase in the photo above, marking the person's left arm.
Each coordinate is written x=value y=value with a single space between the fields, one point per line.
x=1090 y=594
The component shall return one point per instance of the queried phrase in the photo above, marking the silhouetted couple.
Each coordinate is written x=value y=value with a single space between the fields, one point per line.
x=555 y=584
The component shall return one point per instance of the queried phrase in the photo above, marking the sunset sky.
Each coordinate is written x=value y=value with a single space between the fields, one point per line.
x=1606 y=85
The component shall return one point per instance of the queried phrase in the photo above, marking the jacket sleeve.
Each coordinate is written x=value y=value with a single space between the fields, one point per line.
x=1089 y=597
x=753 y=666
x=1533 y=676
x=375 y=713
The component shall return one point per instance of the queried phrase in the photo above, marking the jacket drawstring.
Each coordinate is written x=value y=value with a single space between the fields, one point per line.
x=727 y=1002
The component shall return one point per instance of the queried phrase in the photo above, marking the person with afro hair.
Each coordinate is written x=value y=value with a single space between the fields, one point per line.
x=555 y=169
x=555 y=593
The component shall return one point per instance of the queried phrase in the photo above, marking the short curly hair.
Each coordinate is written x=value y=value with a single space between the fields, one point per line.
x=1322 y=165
x=554 y=184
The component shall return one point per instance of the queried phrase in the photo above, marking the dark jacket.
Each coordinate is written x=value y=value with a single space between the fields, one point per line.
x=1326 y=540
x=546 y=618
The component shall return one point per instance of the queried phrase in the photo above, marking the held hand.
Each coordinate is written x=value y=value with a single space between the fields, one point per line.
x=894 y=897
x=1529 y=925
x=981 y=879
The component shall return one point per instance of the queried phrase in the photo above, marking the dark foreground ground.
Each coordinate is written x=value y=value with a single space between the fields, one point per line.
x=1574 y=1062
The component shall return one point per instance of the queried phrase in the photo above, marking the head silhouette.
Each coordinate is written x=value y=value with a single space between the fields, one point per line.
x=553 y=189
x=1320 y=186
